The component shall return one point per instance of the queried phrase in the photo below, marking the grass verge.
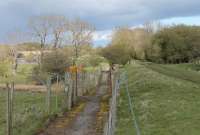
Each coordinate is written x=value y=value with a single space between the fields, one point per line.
x=166 y=101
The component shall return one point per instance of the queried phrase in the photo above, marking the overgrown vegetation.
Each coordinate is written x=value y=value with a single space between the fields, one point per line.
x=173 y=44
x=178 y=44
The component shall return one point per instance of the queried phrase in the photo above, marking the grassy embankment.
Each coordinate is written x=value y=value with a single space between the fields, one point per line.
x=166 y=100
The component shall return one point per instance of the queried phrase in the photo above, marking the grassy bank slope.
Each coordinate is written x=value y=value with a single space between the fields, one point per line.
x=180 y=71
x=166 y=101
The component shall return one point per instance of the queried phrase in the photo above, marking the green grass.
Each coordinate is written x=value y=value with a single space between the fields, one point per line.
x=29 y=111
x=187 y=66
x=22 y=76
x=178 y=71
x=166 y=101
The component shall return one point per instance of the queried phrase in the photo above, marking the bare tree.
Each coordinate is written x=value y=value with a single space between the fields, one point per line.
x=81 y=34
x=40 y=27
x=125 y=36
x=59 y=25
x=13 y=54
x=3 y=53
x=152 y=26
x=15 y=38
x=149 y=27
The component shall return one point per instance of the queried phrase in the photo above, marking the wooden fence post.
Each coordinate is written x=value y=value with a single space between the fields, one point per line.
x=56 y=90
x=10 y=91
x=48 y=95
x=110 y=80
x=68 y=89
x=76 y=86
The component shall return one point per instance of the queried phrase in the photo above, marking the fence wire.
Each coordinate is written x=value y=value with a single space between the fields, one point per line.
x=3 y=116
x=110 y=126
x=111 y=122
x=29 y=106
x=131 y=106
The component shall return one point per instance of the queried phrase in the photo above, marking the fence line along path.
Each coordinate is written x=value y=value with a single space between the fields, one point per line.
x=83 y=117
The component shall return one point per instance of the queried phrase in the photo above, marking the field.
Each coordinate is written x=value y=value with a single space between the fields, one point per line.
x=22 y=74
x=166 y=100
x=29 y=112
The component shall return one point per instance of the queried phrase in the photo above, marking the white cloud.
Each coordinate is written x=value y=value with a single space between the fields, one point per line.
x=101 y=38
x=102 y=35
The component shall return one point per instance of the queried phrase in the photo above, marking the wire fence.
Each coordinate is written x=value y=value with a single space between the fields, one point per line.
x=110 y=126
x=131 y=105
x=29 y=107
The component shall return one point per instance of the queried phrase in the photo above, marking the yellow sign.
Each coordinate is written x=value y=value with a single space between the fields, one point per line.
x=74 y=69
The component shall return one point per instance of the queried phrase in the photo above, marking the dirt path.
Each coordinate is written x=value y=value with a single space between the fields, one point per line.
x=84 y=121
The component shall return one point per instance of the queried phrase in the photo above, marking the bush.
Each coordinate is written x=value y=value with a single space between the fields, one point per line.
x=91 y=60
x=55 y=62
x=178 y=44
x=117 y=54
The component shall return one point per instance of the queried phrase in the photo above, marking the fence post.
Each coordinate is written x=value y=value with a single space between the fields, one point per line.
x=71 y=88
x=111 y=123
x=66 y=87
x=12 y=104
x=76 y=86
x=8 y=110
x=10 y=91
x=56 y=90
x=68 y=90
x=110 y=80
x=49 y=95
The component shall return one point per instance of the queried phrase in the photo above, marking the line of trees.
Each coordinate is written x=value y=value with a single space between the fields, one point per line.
x=48 y=34
x=178 y=44
x=154 y=43
x=59 y=42
x=58 y=29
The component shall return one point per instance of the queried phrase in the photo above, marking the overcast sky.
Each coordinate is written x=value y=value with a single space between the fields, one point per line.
x=104 y=14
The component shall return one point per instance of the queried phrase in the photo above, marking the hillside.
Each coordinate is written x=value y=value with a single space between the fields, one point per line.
x=166 y=101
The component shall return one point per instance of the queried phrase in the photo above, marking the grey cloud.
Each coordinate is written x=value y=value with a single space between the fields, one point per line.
x=105 y=14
